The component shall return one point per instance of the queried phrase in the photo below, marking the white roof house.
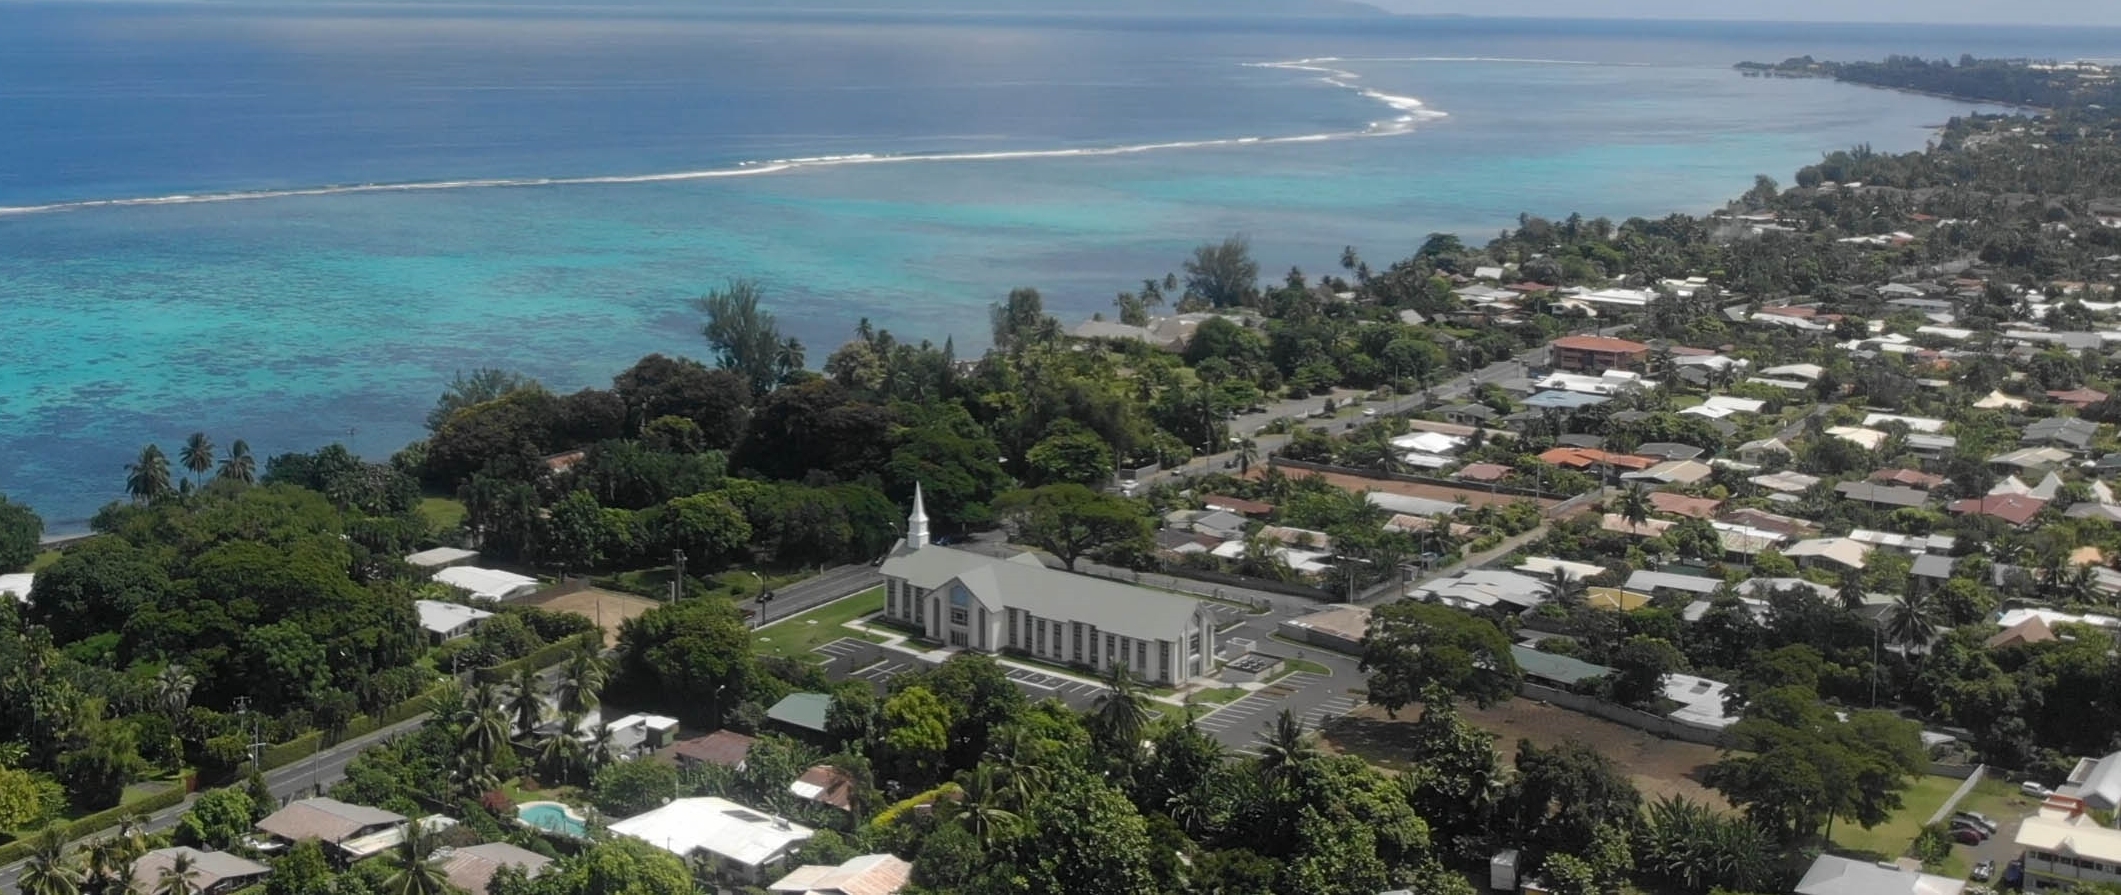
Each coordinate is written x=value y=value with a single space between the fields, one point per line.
x=1799 y=371
x=882 y=874
x=2016 y=617
x=1429 y=443
x=1868 y=439
x=487 y=584
x=1700 y=699
x=1548 y=566
x=1835 y=875
x=1845 y=552
x=1922 y=424
x=2063 y=846
x=448 y=621
x=441 y=557
x=736 y=835
x=2097 y=781
x=17 y=585
x=1482 y=588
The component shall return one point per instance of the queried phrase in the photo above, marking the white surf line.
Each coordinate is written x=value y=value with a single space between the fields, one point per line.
x=1412 y=111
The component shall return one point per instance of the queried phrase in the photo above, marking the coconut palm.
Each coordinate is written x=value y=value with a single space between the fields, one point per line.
x=180 y=877
x=1635 y=505
x=412 y=873
x=239 y=465
x=582 y=682
x=485 y=731
x=108 y=864
x=1122 y=711
x=173 y=686
x=560 y=754
x=525 y=704
x=1247 y=454
x=978 y=807
x=197 y=455
x=1282 y=747
x=1911 y=622
x=787 y=358
x=473 y=776
x=1567 y=590
x=49 y=870
x=598 y=751
x=147 y=479
x=1851 y=592
x=1025 y=778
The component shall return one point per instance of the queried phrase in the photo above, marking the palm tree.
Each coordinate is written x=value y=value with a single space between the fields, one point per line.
x=1025 y=778
x=787 y=358
x=1122 y=711
x=1247 y=454
x=486 y=728
x=1283 y=747
x=525 y=704
x=1911 y=622
x=1635 y=505
x=412 y=872
x=1567 y=590
x=197 y=455
x=582 y=682
x=239 y=465
x=179 y=877
x=147 y=479
x=109 y=862
x=978 y=808
x=173 y=686
x=1851 y=592
x=49 y=871
x=597 y=752
x=473 y=776
x=560 y=755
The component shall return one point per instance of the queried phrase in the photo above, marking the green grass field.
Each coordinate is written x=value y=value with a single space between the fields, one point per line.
x=1218 y=696
x=1891 y=839
x=43 y=561
x=795 y=636
x=444 y=513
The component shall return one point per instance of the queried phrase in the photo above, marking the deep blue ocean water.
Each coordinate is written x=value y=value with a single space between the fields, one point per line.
x=293 y=226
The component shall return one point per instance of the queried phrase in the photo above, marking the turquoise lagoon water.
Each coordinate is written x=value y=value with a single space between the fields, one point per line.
x=303 y=313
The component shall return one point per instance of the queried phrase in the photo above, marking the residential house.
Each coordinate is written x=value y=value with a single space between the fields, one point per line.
x=1760 y=451
x=722 y=748
x=1551 y=568
x=1806 y=372
x=1486 y=589
x=1219 y=524
x=1596 y=354
x=801 y=714
x=1560 y=400
x=1239 y=505
x=1888 y=496
x=1720 y=406
x=2066 y=432
x=1933 y=567
x=1647 y=528
x=1483 y=472
x=1788 y=482
x=1672 y=472
x=2063 y=846
x=1667 y=450
x=2096 y=782
x=443 y=622
x=1841 y=553
x=1682 y=505
x=2031 y=459
x=1645 y=581
x=353 y=831
x=441 y=558
x=1930 y=447
x=487 y=584
x=973 y=601
x=638 y=733
x=1836 y=875
x=1868 y=439
x=1907 y=478
x=471 y=869
x=212 y=872
x=2078 y=398
x=1468 y=414
x=741 y=844
x=1559 y=672
x=1922 y=424
x=1762 y=519
x=825 y=785
x=1590 y=458
x=2033 y=629
x=2015 y=509
x=883 y=874
x=1700 y=699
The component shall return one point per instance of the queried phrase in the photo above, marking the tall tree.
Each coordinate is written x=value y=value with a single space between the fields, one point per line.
x=483 y=385
x=181 y=877
x=1412 y=646
x=147 y=479
x=526 y=704
x=1122 y=712
x=197 y=455
x=50 y=870
x=1069 y=520
x=1223 y=274
x=412 y=873
x=582 y=681
x=745 y=338
x=21 y=529
x=239 y=465
x=1635 y=505
x=1284 y=745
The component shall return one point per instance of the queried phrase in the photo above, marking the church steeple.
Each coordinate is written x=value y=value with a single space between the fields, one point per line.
x=917 y=522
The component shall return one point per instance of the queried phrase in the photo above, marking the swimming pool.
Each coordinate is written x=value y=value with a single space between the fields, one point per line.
x=552 y=817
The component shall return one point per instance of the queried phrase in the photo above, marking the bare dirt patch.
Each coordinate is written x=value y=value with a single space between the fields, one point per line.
x=602 y=607
x=1356 y=484
x=1659 y=767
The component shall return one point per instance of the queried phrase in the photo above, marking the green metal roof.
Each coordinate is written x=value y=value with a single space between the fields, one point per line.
x=804 y=710
x=1547 y=666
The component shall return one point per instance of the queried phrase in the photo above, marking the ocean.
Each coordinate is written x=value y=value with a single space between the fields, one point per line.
x=292 y=226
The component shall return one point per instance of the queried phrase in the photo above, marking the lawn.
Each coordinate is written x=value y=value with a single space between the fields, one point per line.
x=444 y=513
x=1999 y=799
x=1217 y=696
x=796 y=636
x=1891 y=839
x=733 y=584
x=42 y=561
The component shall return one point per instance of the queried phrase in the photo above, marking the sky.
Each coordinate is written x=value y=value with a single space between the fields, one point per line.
x=2016 y=12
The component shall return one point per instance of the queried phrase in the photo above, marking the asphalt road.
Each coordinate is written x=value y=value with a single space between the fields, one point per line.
x=296 y=780
x=810 y=593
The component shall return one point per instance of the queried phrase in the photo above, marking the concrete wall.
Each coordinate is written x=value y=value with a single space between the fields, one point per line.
x=1640 y=720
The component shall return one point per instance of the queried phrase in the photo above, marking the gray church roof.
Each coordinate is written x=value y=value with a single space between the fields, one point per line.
x=1000 y=584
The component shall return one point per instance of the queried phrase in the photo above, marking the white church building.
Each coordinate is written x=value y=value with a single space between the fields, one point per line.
x=969 y=600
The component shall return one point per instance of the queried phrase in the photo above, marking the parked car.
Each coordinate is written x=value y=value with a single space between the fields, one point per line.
x=1968 y=836
x=2032 y=789
x=1978 y=819
x=1369 y=411
x=1983 y=871
x=1960 y=823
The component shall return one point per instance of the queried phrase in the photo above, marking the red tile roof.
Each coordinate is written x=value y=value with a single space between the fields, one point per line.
x=722 y=747
x=2081 y=397
x=1682 y=505
x=2016 y=509
x=1483 y=472
x=1237 y=505
x=1585 y=458
x=1599 y=343
x=1908 y=477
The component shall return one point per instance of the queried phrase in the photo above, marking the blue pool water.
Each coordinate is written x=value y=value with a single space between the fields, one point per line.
x=552 y=818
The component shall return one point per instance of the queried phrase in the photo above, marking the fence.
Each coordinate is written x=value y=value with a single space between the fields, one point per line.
x=1640 y=720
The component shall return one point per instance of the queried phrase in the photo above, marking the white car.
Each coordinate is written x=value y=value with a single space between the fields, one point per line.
x=1369 y=411
x=2034 y=790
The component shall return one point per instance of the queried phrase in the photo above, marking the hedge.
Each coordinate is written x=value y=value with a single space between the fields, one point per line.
x=544 y=657
x=301 y=747
x=81 y=827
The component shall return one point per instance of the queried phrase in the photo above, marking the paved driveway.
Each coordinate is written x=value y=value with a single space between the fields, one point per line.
x=850 y=659
x=1315 y=700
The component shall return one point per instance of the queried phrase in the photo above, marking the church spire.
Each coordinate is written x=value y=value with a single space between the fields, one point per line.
x=917 y=522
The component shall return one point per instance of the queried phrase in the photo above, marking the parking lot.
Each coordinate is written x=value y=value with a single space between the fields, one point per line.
x=851 y=659
x=1039 y=685
x=1310 y=697
x=1226 y=616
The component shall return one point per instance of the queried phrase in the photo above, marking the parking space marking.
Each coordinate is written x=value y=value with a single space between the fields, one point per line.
x=845 y=646
x=883 y=671
x=1329 y=710
x=1238 y=712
